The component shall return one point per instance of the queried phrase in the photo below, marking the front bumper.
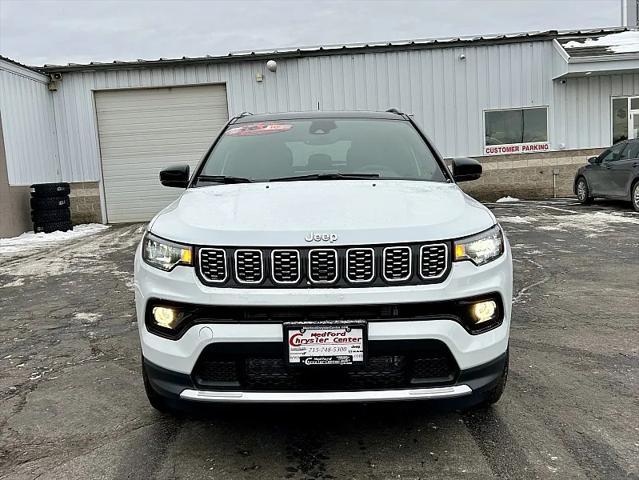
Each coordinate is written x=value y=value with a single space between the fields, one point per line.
x=170 y=363
x=471 y=385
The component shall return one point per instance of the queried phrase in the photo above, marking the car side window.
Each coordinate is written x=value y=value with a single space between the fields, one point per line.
x=632 y=151
x=614 y=153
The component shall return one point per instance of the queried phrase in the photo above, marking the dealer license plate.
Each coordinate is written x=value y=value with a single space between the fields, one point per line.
x=325 y=344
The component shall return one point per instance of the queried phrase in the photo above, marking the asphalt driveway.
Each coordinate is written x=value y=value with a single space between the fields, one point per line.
x=73 y=405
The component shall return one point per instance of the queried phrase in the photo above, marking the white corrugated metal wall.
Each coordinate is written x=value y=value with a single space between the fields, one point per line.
x=26 y=107
x=445 y=93
x=584 y=105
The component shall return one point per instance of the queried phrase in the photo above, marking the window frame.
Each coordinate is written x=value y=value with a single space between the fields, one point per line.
x=237 y=120
x=622 y=143
x=510 y=109
x=629 y=111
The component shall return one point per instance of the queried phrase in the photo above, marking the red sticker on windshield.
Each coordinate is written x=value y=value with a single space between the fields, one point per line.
x=258 y=129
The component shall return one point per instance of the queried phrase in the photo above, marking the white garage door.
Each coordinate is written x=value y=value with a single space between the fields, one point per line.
x=143 y=131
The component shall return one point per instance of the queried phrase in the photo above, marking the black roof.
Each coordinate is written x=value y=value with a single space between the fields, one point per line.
x=270 y=117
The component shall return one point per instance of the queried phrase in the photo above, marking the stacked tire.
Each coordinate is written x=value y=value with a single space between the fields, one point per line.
x=50 y=210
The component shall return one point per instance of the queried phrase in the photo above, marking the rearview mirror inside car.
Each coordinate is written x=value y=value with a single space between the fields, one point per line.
x=466 y=169
x=175 y=176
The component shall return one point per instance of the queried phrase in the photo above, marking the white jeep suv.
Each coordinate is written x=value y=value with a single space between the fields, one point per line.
x=323 y=257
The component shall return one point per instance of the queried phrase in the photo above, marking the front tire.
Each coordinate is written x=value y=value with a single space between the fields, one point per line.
x=634 y=196
x=583 y=192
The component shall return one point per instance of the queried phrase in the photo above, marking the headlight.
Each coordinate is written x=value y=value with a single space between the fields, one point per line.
x=481 y=248
x=165 y=255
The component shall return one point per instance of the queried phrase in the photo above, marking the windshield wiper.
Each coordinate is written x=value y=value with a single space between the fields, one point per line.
x=327 y=176
x=223 y=179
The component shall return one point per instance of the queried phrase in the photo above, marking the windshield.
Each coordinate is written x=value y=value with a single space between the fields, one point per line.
x=263 y=151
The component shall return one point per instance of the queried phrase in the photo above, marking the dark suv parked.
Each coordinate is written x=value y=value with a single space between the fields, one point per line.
x=613 y=174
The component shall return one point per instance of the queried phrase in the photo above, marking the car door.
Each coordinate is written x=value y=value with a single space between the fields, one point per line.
x=600 y=178
x=623 y=170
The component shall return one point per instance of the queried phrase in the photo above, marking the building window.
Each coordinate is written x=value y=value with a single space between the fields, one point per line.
x=625 y=118
x=515 y=126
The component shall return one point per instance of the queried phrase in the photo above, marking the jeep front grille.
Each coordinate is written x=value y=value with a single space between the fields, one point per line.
x=344 y=267
x=322 y=265
x=433 y=260
x=285 y=266
x=249 y=267
x=213 y=264
x=397 y=263
x=360 y=264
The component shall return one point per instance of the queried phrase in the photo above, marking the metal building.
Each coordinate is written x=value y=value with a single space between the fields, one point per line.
x=531 y=106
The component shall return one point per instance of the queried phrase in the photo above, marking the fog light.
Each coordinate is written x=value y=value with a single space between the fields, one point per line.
x=483 y=311
x=165 y=317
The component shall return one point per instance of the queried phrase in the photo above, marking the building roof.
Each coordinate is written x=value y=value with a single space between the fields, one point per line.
x=610 y=44
x=340 y=49
x=9 y=60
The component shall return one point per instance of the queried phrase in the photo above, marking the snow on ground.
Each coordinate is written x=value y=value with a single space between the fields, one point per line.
x=507 y=199
x=623 y=42
x=31 y=241
x=517 y=219
x=87 y=317
x=595 y=222
x=86 y=257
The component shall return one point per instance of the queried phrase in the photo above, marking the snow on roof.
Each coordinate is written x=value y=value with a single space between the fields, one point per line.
x=608 y=44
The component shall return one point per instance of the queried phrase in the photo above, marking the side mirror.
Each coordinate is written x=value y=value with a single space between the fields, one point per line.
x=175 y=176
x=466 y=169
x=593 y=160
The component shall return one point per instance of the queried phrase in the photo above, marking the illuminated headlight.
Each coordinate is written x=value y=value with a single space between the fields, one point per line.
x=482 y=312
x=165 y=255
x=481 y=248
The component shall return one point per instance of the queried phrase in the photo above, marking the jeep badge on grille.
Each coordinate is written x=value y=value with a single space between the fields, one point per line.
x=321 y=237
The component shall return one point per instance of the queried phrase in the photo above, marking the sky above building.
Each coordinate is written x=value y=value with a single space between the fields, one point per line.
x=59 y=32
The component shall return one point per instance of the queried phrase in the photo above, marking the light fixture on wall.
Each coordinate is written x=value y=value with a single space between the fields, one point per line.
x=271 y=65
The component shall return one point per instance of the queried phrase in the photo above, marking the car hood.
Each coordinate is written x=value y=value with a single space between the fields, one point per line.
x=355 y=211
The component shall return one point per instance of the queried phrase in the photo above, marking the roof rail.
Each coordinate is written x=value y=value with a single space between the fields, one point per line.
x=395 y=111
x=234 y=119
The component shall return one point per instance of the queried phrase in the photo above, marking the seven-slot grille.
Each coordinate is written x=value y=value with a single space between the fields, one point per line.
x=285 y=266
x=249 y=267
x=433 y=260
x=322 y=265
x=213 y=264
x=361 y=266
x=397 y=263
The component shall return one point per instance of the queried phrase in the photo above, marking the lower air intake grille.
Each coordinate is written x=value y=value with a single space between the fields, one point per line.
x=263 y=367
x=249 y=267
